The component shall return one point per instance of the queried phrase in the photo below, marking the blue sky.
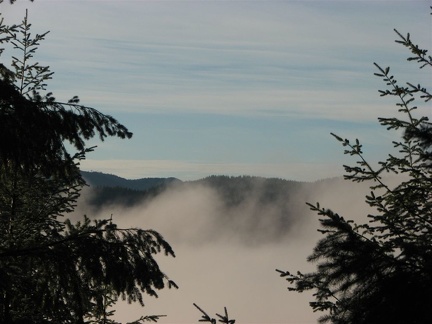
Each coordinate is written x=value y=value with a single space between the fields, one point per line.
x=229 y=87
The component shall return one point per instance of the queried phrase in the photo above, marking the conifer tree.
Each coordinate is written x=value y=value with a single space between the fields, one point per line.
x=380 y=272
x=51 y=270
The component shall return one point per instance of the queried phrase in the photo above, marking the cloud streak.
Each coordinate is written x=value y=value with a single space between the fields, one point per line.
x=228 y=58
x=206 y=64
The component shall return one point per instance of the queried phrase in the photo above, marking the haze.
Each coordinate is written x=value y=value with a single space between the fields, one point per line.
x=232 y=262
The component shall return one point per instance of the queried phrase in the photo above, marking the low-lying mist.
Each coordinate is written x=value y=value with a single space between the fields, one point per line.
x=227 y=249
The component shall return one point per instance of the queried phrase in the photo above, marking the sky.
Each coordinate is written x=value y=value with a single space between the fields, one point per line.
x=228 y=87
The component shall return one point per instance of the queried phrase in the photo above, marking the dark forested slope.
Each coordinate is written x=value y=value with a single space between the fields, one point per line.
x=233 y=191
x=99 y=179
x=244 y=206
x=109 y=189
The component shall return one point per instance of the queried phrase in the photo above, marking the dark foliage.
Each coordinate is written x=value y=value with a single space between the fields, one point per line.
x=53 y=271
x=380 y=272
x=208 y=319
x=36 y=125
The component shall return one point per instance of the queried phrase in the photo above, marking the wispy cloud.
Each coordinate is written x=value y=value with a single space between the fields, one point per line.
x=219 y=57
x=219 y=62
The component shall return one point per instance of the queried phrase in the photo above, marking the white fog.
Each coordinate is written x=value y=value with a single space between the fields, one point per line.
x=232 y=262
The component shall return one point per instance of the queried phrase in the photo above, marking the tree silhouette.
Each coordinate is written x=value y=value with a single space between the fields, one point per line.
x=52 y=270
x=380 y=272
x=208 y=319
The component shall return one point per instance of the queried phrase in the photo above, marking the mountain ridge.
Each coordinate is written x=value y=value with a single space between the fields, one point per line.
x=100 y=179
x=251 y=209
x=234 y=190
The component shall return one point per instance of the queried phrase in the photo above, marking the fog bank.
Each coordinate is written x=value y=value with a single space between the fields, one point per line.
x=227 y=256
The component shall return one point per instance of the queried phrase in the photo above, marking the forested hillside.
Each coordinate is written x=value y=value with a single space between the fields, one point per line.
x=99 y=179
x=245 y=207
x=111 y=189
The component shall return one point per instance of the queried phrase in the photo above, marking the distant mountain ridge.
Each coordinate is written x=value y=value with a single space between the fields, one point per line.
x=233 y=190
x=252 y=209
x=99 y=179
